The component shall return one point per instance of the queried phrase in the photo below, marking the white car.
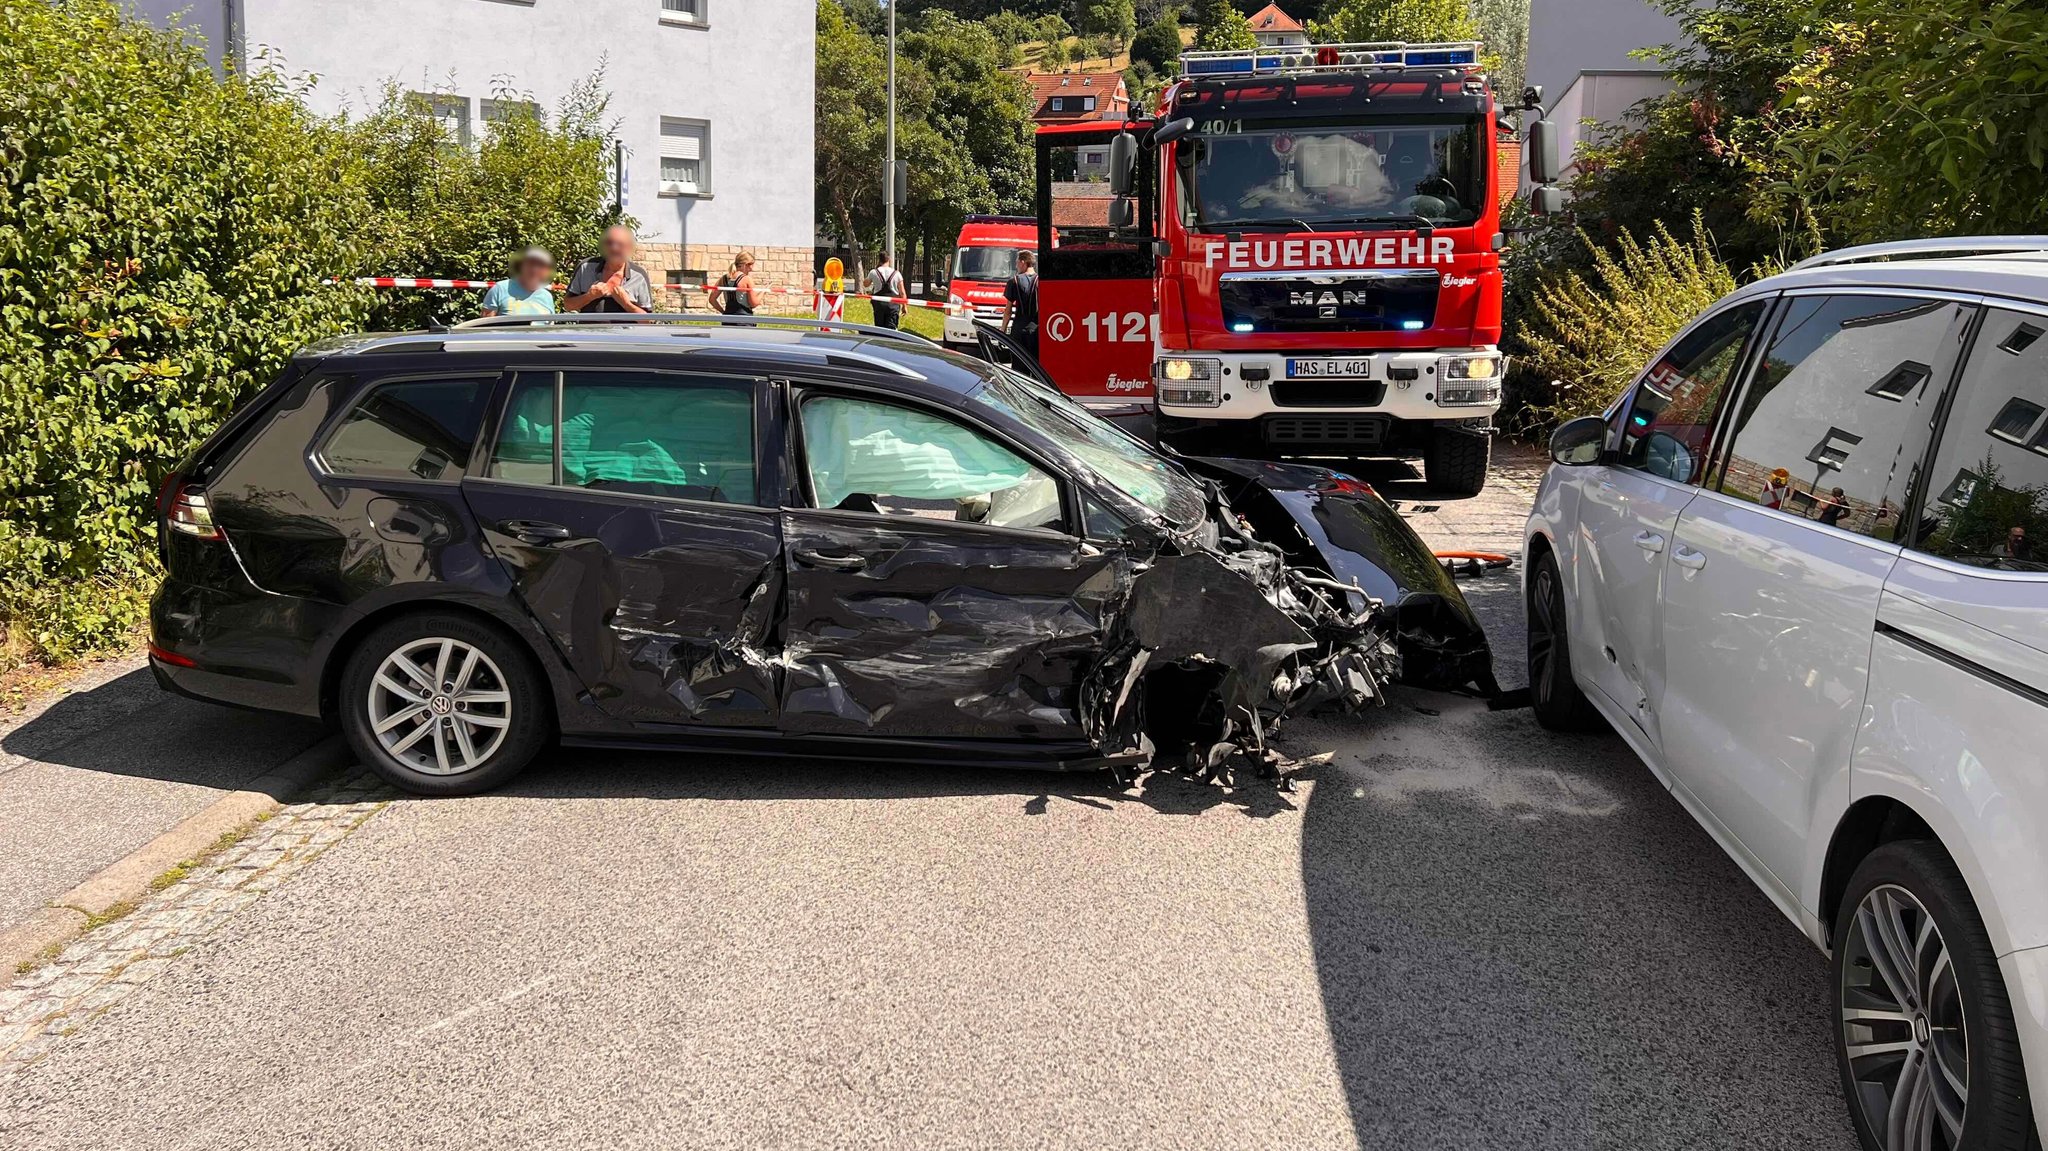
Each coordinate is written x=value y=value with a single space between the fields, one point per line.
x=1802 y=568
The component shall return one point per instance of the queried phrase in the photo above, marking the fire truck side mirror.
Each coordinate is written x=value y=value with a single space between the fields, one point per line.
x=1123 y=164
x=1173 y=130
x=1542 y=152
x=1123 y=213
x=1546 y=200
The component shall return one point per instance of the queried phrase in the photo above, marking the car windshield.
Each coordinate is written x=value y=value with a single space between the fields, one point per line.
x=985 y=264
x=1126 y=464
x=1303 y=177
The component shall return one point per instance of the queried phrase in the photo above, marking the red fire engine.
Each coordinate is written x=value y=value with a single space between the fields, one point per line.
x=1299 y=256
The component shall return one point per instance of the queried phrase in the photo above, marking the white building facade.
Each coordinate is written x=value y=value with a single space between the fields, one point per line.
x=713 y=99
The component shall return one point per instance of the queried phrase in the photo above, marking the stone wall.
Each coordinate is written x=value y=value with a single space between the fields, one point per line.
x=773 y=268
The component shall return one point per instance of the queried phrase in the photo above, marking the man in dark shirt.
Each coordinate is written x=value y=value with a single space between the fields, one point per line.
x=611 y=282
x=1020 y=305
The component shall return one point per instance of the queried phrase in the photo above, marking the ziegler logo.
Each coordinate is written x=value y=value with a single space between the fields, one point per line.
x=1460 y=281
x=1119 y=384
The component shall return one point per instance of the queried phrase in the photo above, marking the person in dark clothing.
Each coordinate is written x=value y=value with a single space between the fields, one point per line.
x=1833 y=508
x=611 y=282
x=1020 y=305
x=885 y=280
x=734 y=293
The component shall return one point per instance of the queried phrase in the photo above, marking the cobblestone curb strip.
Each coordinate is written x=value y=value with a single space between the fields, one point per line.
x=128 y=878
x=110 y=962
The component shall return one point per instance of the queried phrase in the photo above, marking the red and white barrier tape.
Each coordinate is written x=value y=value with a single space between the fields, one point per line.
x=686 y=289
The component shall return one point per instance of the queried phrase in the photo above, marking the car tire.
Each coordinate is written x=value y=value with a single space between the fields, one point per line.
x=478 y=725
x=1553 y=693
x=1454 y=461
x=1948 y=1008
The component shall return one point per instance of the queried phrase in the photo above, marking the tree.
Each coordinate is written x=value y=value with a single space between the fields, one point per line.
x=1158 y=45
x=1503 y=27
x=1416 y=20
x=1054 y=57
x=1110 y=19
x=851 y=139
x=1221 y=27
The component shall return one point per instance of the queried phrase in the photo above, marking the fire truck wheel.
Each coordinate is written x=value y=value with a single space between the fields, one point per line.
x=1454 y=461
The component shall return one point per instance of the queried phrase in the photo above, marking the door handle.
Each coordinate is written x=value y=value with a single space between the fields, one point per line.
x=534 y=531
x=837 y=563
x=1689 y=559
x=1650 y=541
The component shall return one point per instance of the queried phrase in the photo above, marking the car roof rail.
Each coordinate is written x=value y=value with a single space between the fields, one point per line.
x=1929 y=248
x=629 y=319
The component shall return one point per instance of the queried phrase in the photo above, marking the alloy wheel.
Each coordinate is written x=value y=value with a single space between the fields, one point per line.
x=440 y=706
x=1902 y=1024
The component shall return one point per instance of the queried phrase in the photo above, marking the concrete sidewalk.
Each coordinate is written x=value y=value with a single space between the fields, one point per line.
x=110 y=765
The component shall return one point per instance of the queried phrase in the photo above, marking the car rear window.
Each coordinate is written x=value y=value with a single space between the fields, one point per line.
x=643 y=433
x=409 y=429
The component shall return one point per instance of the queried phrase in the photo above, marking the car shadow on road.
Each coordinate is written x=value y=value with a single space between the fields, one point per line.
x=126 y=725
x=1523 y=941
x=581 y=773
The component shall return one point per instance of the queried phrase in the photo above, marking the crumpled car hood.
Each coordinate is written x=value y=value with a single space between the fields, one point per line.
x=1216 y=642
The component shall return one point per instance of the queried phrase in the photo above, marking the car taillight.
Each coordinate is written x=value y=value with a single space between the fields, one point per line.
x=190 y=514
x=1341 y=484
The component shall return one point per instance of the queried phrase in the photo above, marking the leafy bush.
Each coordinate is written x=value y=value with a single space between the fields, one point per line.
x=1221 y=28
x=1593 y=334
x=1416 y=20
x=167 y=239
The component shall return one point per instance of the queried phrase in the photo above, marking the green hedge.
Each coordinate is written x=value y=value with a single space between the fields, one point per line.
x=166 y=238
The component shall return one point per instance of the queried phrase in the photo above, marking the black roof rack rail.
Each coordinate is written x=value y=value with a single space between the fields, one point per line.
x=631 y=319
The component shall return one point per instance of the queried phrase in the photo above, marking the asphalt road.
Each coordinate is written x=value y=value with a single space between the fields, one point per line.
x=1457 y=931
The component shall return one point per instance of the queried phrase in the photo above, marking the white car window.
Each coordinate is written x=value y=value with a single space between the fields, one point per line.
x=1835 y=423
x=1987 y=497
x=1673 y=409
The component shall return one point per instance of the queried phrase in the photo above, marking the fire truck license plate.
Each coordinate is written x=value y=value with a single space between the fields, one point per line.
x=1329 y=369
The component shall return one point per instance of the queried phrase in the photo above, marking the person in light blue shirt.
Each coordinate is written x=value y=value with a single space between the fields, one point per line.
x=527 y=292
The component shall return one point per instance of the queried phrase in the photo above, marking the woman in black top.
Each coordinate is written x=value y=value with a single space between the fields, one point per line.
x=735 y=293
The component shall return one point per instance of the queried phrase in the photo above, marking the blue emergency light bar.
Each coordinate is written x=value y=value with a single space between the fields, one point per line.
x=1311 y=58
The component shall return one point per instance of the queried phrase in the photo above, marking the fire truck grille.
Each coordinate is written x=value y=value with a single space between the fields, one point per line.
x=1365 y=430
x=1367 y=300
x=1328 y=393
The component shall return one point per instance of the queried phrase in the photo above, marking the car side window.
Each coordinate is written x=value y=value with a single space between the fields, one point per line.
x=1987 y=497
x=1836 y=421
x=881 y=458
x=641 y=433
x=409 y=429
x=1672 y=412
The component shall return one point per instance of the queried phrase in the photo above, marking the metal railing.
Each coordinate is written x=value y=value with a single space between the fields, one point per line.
x=1295 y=58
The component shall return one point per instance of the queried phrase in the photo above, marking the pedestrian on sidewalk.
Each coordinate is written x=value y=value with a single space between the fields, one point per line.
x=734 y=293
x=1020 y=305
x=611 y=282
x=885 y=280
x=527 y=293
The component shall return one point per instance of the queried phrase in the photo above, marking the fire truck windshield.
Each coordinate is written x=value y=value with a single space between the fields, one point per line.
x=1307 y=177
x=985 y=265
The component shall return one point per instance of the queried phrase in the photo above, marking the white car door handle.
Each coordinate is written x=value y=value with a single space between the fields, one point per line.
x=1689 y=559
x=1650 y=541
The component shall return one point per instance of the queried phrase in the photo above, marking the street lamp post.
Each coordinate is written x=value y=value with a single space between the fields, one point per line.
x=889 y=171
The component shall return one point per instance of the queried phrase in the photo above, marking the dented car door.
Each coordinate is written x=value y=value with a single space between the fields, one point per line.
x=624 y=507
x=934 y=589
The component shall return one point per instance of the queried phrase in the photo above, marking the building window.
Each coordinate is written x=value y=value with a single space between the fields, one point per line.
x=1059 y=103
x=687 y=278
x=451 y=111
x=685 y=157
x=499 y=111
x=682 y=11
x=1087 y=103
x=2014 y=420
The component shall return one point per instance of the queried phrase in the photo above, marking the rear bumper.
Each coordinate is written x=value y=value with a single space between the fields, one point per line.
x=246 y=648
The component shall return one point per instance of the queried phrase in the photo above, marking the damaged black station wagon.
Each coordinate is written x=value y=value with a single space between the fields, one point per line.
x=764 y=535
